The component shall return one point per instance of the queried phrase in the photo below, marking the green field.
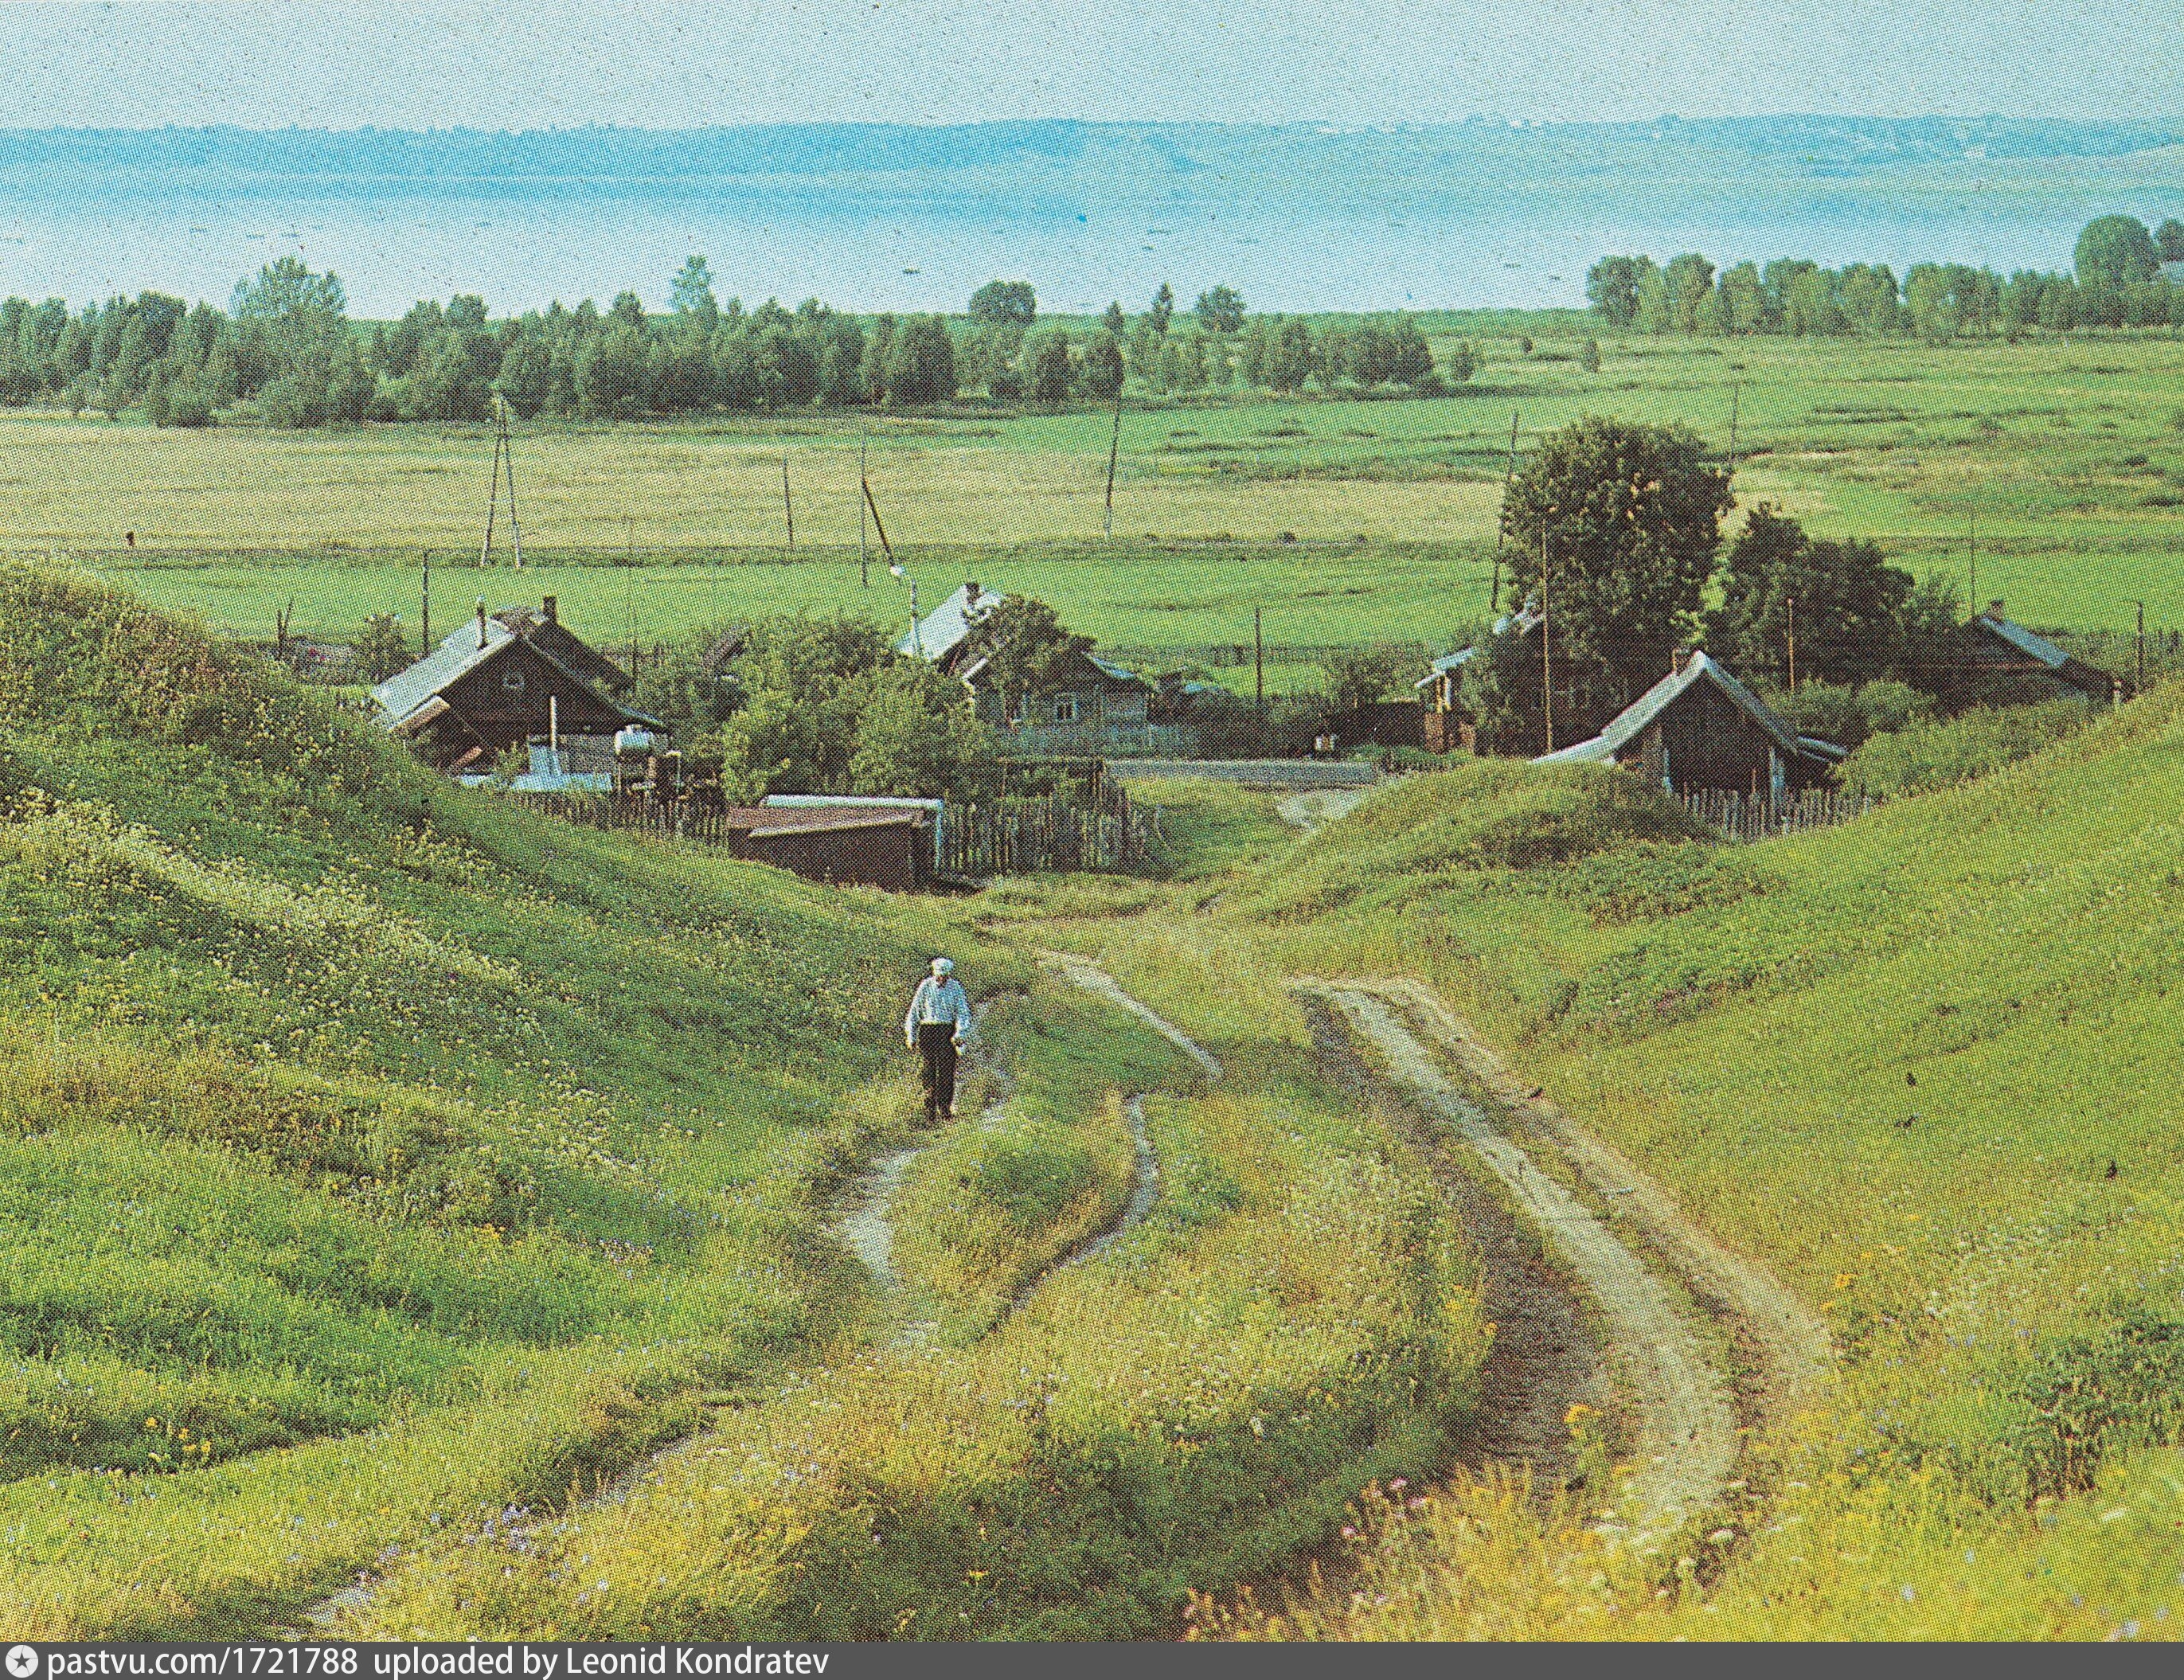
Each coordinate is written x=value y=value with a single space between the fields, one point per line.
x=2067 y=456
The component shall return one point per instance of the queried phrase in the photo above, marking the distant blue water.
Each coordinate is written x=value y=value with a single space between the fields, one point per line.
x=1295 y=219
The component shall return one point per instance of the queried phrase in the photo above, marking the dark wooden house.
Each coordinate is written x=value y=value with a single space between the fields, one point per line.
x=1701 y=728
x=501 y=680
x=2007 y=663
x=1090 y=693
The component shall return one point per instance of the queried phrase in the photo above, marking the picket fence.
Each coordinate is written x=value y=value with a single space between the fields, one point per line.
x=1743 y=817
x=1107 y=832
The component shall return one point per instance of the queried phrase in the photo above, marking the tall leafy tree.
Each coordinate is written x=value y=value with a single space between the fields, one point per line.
x=1008 y=302
x=1163 y=312
x=1221 y=309
x=1847 y=605
x=691 y=296
x=921 y=367
x=1612 y=287
x=1103 y=368
x=1026 y=648
x=1631 y=519
x=1052 y=371
x=2168 y=241
x=2114 y=251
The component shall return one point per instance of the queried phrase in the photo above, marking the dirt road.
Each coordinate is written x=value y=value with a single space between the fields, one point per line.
x=1680 y=1403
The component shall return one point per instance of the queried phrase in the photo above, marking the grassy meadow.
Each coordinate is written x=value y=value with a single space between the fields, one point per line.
x=2067 y=456
x=1918 y=1065
x=385 y=1170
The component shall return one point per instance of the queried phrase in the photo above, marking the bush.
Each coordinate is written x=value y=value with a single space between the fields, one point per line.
x=1929 y=756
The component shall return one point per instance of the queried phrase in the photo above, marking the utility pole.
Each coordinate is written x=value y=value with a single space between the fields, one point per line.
x=1114 y=453
x=1259 y=660
x=864 y=554
x=1735 y=401
x=508 y=465
x=1546 y=651
x=1508 y=478
x=425 y=607
x=1793 y=647
x=787 y=507
x=1974 y=552
x=2139 y=686
x=504 y=460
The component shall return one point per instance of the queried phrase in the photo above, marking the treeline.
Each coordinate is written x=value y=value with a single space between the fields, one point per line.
x=286 y=348
x=2118 y=281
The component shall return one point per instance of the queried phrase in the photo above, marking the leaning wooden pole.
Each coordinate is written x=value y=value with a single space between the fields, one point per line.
x=1114 y=453
x=787 y=507
x=508 y=465
x=491 y=505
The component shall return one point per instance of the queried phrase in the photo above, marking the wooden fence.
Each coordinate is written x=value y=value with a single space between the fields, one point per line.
x=1107 y=832
x=1743 y=816
x=1104 y=831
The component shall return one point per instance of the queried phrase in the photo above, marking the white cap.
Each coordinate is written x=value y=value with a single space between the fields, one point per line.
x=943 y=965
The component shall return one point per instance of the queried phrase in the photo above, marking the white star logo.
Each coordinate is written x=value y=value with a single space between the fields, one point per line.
x=22 y=1662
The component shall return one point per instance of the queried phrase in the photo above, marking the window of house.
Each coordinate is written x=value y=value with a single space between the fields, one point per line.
x=1065 y=709
x=512 y=680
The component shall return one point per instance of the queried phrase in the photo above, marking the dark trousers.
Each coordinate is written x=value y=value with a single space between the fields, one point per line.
x=936 y=1071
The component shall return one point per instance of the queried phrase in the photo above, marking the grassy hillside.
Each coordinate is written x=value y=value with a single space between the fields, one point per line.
x=372 y=1153
x=1922 y=1066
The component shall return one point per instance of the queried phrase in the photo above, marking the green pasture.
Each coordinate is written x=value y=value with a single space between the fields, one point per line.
x=2061 y=463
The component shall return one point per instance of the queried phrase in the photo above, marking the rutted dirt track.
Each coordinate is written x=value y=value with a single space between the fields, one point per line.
x=867 y=1227
x=1682 y=1404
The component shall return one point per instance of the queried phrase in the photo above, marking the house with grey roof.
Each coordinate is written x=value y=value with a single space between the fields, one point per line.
x=940 y=635
x=2006 y=662
x=505 y=680
x=1699 y=727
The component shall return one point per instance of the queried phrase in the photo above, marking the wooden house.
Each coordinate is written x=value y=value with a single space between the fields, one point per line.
x=2006 y=662
x=1699 y=727
x=1092 y=699
x=501 y=680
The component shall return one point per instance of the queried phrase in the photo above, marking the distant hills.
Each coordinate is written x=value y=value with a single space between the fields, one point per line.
x=1208 y=155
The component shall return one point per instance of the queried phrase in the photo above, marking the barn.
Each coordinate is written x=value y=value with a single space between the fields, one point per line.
x=1699 y=727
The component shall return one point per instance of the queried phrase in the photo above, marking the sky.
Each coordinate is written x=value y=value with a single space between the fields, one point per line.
x=540 y=63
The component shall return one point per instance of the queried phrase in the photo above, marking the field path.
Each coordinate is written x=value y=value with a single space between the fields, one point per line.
x=1789 y=1347
x=1686 y=1424
x=1315 y=806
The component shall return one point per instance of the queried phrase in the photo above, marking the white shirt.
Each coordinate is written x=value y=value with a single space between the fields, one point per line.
x=938 y=1003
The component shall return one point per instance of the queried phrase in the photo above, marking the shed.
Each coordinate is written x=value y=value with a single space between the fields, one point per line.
x=1700 y=727
x=846 y=846
x=2013 y=664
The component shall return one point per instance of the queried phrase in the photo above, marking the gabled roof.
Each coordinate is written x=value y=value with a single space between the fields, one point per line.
x=454 y=659
x=408 y=693
x=1113 y=672
x=1632 y=723
x=568 y=650
x=2018 y=637
x=942 y=630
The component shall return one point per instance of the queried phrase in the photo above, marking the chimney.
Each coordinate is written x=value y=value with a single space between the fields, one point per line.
x=969 y=594
x=551 y=608
x=1679 y=659
x=481 y=613
x=1994 y=609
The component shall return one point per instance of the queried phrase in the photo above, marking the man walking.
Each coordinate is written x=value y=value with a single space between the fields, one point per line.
x=938 y=1022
